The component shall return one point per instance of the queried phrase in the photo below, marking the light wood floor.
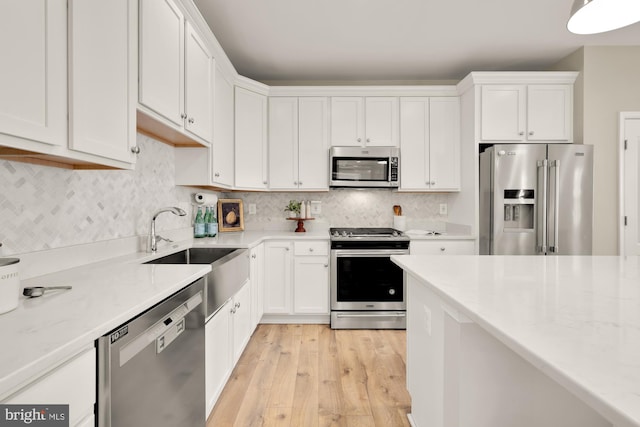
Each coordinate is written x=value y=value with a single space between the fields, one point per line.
x=310 y=375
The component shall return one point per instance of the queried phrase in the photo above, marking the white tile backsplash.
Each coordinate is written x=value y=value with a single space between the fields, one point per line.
x=341 y=208
x=46 y=207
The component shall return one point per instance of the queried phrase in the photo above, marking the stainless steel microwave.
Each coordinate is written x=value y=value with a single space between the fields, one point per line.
x=364 y=167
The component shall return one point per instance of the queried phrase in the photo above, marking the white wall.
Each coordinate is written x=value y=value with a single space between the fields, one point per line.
x=609 y=83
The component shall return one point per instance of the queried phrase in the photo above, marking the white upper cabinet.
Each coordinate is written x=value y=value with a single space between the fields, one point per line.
x=222 y=146
x=370 y=121
x=550 y=113
x=313 y=143
x=347 y=121
x=198 y=85
x=283 y=143
x=527 y=113
x=444 y=143
x=102 y=74
x=298 y=143
x=430 y=144
x=175 y=71
x=68 y=86
x=381 y=121
x=250 y=140
x=33 y=47
x=161 y=59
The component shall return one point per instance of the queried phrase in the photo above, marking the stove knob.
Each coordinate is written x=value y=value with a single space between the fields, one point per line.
x=344 y=234
x=395 y=233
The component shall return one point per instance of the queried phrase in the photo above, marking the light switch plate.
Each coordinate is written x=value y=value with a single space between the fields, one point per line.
x=252 y=208
x=443 y=208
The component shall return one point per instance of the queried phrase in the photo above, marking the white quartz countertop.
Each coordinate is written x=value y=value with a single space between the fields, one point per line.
x=43 y=332
x=577 y=319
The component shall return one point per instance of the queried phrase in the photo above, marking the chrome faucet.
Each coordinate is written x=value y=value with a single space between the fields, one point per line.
x=157 y=238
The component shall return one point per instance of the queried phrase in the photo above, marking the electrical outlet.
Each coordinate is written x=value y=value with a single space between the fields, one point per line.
x=316 y=207
x=443 y=208
x=252 y=208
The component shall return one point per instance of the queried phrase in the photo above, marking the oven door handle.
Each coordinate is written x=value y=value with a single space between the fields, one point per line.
x=371 y=314
x=368 y=252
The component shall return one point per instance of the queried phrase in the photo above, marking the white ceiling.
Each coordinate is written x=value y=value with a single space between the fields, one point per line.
x=395 y=40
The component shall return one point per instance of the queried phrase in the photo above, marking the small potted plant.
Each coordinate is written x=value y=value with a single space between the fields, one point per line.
x=293 y=208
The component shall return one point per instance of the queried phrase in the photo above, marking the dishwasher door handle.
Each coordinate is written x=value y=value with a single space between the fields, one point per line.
x=162 y=332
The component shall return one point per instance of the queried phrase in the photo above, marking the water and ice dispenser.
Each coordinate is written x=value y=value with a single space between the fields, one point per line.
x=519 y=210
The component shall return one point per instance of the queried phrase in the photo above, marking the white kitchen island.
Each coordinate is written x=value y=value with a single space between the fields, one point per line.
x=502 y=341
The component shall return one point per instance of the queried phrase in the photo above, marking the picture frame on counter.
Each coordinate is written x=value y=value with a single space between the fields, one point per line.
x=230 y=215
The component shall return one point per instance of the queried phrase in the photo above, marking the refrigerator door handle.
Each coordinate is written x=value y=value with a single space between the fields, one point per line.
x=542 y=195
x=556 y=200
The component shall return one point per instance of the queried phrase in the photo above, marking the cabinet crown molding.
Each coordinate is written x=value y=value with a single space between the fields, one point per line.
x=252 y=85
x=427 y=90
x=516 y=77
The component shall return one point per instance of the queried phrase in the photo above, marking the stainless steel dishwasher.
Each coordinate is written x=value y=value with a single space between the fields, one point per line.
x=151 y=369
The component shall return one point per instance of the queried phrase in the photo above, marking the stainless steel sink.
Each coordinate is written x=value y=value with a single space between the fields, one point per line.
x=229 y=271
x=194 y=256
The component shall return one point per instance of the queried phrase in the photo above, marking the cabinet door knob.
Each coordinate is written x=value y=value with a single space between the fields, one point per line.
x=217 y=174
x=368 y=139
x=359 y=139
x=521 y=133
x=192 y=120
x=310 y=249
x=183 y=116
x=531 y=132
x=135 y=149
x=299 y=182
x=432 y=183
x=233 y=310
x=326 y=265
x=237 y=305
x=442 y=249
x=253 y=256
x=264 y=182
x=286 y=248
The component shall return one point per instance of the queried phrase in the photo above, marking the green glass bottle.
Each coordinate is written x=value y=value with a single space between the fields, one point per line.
x=213 y=227
x=207 y=220
x=198 y=226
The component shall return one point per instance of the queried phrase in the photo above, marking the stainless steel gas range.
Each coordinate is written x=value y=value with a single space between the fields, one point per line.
x=367 y=289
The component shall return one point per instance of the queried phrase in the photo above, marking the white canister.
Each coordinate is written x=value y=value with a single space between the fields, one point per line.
x=9 y=284
x=400 y=223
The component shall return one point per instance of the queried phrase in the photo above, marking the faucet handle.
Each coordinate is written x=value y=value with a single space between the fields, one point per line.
x=160 y=238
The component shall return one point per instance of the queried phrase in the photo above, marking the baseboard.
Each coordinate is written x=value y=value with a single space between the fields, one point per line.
x=322 y=319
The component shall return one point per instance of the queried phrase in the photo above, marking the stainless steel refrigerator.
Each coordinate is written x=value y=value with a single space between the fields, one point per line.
x=536 y=199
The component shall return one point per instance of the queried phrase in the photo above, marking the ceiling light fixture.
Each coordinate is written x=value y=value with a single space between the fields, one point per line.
x=598 y=16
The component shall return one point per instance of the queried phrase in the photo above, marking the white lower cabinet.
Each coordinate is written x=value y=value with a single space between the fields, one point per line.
x=442 y=247
x=217 y=354
x=241 y=320
x=73 y=384
x=296 y=280
x=256 y=275
x=227 y=334
x=277 y=277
